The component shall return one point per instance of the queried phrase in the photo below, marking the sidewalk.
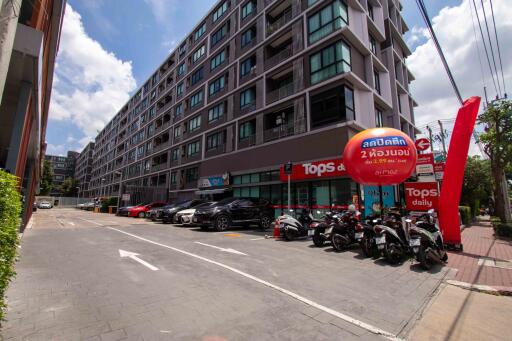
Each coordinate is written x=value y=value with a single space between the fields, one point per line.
x=486 y=260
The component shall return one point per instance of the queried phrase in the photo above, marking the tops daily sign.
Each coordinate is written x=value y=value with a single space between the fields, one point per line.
x=314 y=170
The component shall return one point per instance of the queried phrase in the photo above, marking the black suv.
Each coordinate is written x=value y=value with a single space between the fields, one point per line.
x=235 y=211
x=168 y=212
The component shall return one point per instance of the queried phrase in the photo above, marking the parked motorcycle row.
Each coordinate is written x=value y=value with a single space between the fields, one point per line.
x=390 y=236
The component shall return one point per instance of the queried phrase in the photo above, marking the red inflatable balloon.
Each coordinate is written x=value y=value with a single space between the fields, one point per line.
x=380 y=156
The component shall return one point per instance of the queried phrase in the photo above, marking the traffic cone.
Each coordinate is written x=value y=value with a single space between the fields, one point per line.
x=277 y=232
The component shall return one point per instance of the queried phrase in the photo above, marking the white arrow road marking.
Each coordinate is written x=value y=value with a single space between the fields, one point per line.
x=223 y=249
x=349 y=319
x=133 y=256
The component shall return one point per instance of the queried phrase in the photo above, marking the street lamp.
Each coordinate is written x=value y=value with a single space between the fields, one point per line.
x=78 y=196
x=120 y=184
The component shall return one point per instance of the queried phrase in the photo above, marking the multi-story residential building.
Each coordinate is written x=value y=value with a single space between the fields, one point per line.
x=63 y=167
x=83 y=169
x=30 y=33
x=256 y=84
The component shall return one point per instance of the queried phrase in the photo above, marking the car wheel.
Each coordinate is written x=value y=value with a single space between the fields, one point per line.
x=265 y=222
x=141 y=215
x=222 y=223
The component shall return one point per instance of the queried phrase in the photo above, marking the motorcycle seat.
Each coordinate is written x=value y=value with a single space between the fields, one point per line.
x=427 y=226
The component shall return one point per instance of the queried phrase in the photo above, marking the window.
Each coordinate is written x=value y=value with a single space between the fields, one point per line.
x=328 y=19
x=312 y=2
x=217 y=85
x=248 y=36
x=219 y=34
x=247 y=129
x=193 y=148
x=376 y=80
x=247 y=97
x=330 y=61
x=332 y=106
x=378 y=118
x=197 y=76
x=140 y=151
x=178 y=111
x=181 y=69
x=196 y=99
x=200 y=31
x=248 y=8
x=182 y=49
x=175 y=154
x=194 y=123
x=373 y=45
x=215 y=140
x=399 y=104
x=191 y=174
x=151 y=112
x=216 y=112
x=370 y=12
x=153 y=96
x=198 y=54
x=220 y=11
x=177 y=131
x=247 y=65
x=172 y=179
x=217 y=60
x=179 y=89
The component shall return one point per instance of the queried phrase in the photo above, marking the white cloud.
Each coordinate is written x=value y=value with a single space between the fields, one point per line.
x=162 y=10
x=91 y=83
x=56 y=149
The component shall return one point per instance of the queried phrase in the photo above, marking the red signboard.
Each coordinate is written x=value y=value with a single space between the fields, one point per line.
x=425 y=164
x=439 y=170
x=421 y=196
x=380 y=156
x=422 y=144
x=315 y=170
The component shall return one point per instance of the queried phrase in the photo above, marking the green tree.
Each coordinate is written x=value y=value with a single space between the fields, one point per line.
x=497 y=141
x=69 y=187
x=477 y=187
x=47 y=179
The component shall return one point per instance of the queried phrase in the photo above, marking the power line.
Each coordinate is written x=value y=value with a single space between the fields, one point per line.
x=485 y=46
x=499 y=51
x=477 y=46
x=426 y=18
x=490 y=44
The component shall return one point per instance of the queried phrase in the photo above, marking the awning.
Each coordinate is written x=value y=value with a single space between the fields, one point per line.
x=213 y=191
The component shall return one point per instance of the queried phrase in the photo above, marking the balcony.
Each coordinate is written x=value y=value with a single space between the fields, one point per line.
x=220 y=149
x=281 y=85
x=279 y=17
x=159 y=167
x=280 y=93
x=247 y=142
x=284 y=130
x=278 y=57
x=161 y=146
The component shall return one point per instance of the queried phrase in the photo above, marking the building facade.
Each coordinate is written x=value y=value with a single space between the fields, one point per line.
x=29 y=39
x=83 y=169
x=256 y=84
x=63 y=167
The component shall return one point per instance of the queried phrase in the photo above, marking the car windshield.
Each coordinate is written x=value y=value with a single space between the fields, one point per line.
x=225 y=201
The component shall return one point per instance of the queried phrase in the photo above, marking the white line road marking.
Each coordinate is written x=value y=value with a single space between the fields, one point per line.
x=223 y=249
x=259 y=238
x=71 y=223
x=133 y=255
x=92 y=222
x=364 y=325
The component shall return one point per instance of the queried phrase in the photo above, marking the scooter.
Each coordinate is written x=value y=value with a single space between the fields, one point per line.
x=292 y=228
x=426 y=241
x=348 y=230
x=323 y=231
x=367 y=242
x=391 y=239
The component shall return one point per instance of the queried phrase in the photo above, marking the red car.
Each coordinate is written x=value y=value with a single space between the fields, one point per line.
x=139 y=211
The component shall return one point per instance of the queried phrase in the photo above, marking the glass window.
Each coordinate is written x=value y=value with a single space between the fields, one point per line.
x=378 y=118
x=191 y=174
x=216 y=112
x=177 y=131
x=175 y=154
x=172 y=179
x=218 y=60
x=331 y=106
x=255 y=178
x=247 y=37
x=200 y=31
x=320 y=199
x=342 y=191
x=197 y=76
x=217 y=85
x=246 y=178
x=193 y=148
x=198 y=54
x=247 y=129
x=219 y=34
x=373 y=45
x=247 y=65
x=179 y=89
x=196 y=99
x=376 y=80
x=328 y=19
x=330 y=61
x=312 y=2
x=194 y=123
x=181 y=69
x=215 y=140
x=247 y=97
x=220 y=11
x=248 y=8
x=237 y=180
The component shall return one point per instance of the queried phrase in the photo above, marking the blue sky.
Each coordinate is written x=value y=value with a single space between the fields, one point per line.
x=115 y=46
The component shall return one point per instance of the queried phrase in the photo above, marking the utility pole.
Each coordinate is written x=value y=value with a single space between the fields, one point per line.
x=442 y=137
x=430 y=138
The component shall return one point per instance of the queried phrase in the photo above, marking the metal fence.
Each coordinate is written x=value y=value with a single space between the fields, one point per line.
x=63 y=201
x=145 y=194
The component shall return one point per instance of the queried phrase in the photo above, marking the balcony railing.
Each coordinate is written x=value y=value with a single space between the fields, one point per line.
x=279 y=94
x=278 y=57
x=284 y=130
x=163 y=126
x=161 y=146
x=283 y=20
x=247 y=142
x=220 y=149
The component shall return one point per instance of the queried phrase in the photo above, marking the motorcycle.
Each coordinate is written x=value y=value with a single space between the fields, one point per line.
x=323 y=231
x=392 y=239
x=367 y=242
x=426 y=241
x=346 y=231
x=291 y=228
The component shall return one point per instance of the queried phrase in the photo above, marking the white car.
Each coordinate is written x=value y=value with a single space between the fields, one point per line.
x=45 y=204
x=185 y=217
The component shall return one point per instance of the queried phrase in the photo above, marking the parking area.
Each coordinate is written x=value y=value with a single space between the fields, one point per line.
x=84 y=274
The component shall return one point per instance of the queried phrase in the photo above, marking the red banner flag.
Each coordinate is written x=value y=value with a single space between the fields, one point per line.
x=454 y=171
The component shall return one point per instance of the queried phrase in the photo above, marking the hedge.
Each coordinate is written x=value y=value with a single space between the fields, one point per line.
x=112 y=201
x=465 y=214
x=503 y=229
x=10 y=211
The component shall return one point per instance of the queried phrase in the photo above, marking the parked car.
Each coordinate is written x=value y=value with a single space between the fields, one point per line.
x=44 y=204
x=169 y=214
x=89 y=206
x=185 y=217
x=139 y=211
x=235 y=211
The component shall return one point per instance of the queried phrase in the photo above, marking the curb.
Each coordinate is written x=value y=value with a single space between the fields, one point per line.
x=486 y=289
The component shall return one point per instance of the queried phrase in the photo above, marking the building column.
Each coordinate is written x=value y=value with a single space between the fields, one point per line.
x=17 y=131
x=9 y=11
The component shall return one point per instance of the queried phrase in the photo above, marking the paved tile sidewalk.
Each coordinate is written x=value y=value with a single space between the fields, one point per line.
x=484 y=259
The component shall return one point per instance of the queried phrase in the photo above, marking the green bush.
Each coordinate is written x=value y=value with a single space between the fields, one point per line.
x=503 y=229
x=465 y=214
x=10 y=210
x=495 y=221
x=112 y=201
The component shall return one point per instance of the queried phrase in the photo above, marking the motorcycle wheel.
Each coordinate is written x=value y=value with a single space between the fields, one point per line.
x=337 y=242
x=394 y=253
x=318 y=239
x=424 y=260
x=288 y=235
x=366 y=247
x=445 y=257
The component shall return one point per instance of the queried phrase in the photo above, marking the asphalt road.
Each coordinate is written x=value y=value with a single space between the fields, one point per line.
x=183 y=284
